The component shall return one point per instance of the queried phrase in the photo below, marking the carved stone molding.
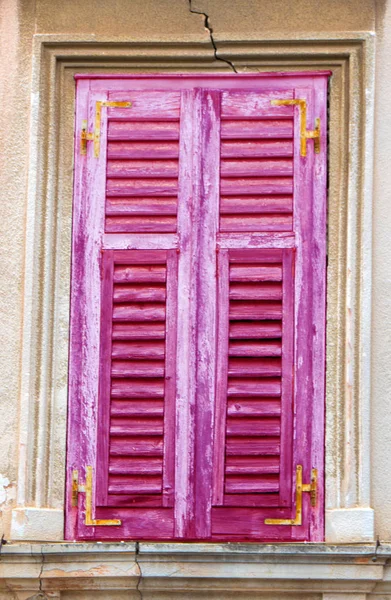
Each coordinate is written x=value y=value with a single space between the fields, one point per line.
x=43 y=399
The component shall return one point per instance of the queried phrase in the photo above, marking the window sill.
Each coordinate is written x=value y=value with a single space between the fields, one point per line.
x=185 y=568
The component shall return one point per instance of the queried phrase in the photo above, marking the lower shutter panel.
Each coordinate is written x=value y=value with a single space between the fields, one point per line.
x=253 y=441
x=137 y=394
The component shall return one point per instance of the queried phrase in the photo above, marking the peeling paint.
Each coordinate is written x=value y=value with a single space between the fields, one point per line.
x=4 y=483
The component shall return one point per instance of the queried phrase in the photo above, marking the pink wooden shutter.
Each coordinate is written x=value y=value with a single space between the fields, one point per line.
x=198 y=308
x=124 y=314
x=270 y=366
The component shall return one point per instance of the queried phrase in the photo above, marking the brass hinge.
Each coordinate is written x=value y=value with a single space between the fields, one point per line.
x=95 y=136
x=305 y=133
x=86 y=488
x=300 y=488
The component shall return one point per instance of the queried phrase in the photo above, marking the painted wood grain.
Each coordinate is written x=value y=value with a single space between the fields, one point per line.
x=164 y=158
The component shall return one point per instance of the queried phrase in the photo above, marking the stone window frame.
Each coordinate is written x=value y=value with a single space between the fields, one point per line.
x=41 y=449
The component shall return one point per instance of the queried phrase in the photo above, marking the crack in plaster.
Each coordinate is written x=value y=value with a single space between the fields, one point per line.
x=40 y=575
x=140 y=573
x=210 y=31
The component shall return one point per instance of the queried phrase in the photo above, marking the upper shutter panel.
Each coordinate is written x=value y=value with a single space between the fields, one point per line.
x=256 y=164
x=142 y=164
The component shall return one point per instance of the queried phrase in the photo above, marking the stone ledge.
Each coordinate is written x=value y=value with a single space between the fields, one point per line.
x=325 y=552
x=181 y=568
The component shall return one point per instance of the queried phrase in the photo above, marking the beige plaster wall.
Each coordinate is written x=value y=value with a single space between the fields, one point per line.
x=231 y=18
x=16 y=29
x=171 y=20
x=381 y=329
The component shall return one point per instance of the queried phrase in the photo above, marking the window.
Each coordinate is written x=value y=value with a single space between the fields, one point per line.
x=198 y=308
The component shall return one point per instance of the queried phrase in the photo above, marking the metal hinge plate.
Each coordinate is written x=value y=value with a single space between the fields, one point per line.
x=85 y=136
x=87 y=488
x=300 y=488
x=305 y=134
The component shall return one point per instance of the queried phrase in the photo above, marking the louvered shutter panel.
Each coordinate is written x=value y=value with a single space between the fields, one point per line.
x=254 y=389
x=142 y=165
x=136 y=404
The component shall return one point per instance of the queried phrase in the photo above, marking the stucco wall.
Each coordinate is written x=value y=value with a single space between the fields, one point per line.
x=146 y=20
x=381 y=315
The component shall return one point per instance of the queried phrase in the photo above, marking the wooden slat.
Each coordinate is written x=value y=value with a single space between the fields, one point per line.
x=241 y=186
x=256 y=148
x=253 y=407
x=256 y=204
x=140 y=501
x=143 y=150
x=256 y=223
x=252 y=129
x=250 y=484
x=158 y=168
x=137 y=368
x=253 y=500
x=256 y=256
x=246 y=367
x=137 y=388
x=139 y=273
x=122 y=426
x=136 y=446
x=253 y=446
x=263 y=329
x=141 y=293
x=138 y=130
x=137 y=407
x=138 y=331
x=254 y=310
x=146 y=224
x=143 y=311
x=253 y=427
x=120 y=465
x=139 y=258
x=254 y=387
x=252 y=291
x=141 y=206
x=147 y=187
x=135 y=484
x=256 y=348
x=257 y=273
x=253 y=167
x=252 y=465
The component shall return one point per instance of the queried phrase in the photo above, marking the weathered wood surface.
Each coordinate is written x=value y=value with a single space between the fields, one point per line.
x=199 y=245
